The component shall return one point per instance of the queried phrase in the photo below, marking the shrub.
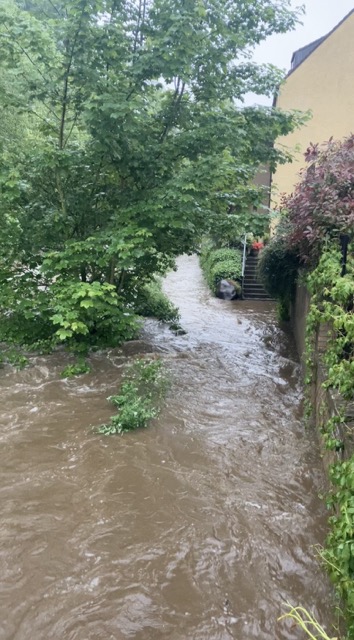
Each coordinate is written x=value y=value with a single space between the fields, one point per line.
x=70 y=312
x=322 y=204
x=151 y=301
x=92 y=313
x=220 y=264
x=277 y=270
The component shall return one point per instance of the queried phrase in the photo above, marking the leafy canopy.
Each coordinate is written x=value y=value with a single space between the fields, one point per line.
x=120 y=145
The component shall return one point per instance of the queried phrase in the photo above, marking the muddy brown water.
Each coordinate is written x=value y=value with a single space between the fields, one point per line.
x=198 y=528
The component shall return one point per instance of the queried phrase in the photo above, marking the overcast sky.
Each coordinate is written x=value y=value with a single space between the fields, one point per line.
x=321 y=17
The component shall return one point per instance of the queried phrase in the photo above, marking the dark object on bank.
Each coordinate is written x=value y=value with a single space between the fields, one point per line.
x=228 y=290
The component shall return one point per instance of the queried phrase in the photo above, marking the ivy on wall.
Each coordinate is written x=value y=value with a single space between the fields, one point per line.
x=332 y=297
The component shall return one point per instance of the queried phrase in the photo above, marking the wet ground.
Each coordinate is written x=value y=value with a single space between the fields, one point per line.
x=198 y=528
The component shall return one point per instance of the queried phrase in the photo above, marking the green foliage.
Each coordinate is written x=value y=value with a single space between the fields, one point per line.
x=77 y=369
x=42 y=313
x=332 y=297
x=282 y=308
x=14 y=357
x=94 y=310
x=321 y=206
x=277 y=270
x=144 y=386
x=318 y=211
x=120 y=145
x=219 y=264
x=24 y=307
x=339 y=552
x=151 y=301
x=330 y=432
x=332 y=304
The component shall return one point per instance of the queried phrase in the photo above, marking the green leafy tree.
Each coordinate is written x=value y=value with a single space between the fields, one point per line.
x=133 y=148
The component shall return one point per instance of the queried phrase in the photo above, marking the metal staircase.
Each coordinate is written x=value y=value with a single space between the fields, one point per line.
x=252 y=289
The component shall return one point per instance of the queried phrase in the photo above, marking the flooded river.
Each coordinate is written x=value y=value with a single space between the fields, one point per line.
x=198 y=528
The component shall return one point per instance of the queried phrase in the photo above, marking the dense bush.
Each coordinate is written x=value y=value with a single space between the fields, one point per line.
x=75 y=312
x=277 y=269
x=322 y=204
x=151 y=301
x=220 y=264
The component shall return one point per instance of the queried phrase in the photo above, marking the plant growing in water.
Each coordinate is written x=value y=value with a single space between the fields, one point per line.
x=77 y=369
x=15 y=358
x=306 y=621
x=144 y=386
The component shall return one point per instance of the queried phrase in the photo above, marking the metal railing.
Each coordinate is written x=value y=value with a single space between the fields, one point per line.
x=244 y=258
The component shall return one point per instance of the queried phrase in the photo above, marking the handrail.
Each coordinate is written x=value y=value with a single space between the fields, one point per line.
x=244 y=256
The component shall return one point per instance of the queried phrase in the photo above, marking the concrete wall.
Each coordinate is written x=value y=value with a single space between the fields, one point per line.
x=323 y=83
x=298 y=313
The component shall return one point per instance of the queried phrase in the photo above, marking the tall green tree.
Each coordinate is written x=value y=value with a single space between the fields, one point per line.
x=136 y=147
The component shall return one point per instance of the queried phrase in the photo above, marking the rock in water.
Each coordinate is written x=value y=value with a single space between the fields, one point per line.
x=228 y=290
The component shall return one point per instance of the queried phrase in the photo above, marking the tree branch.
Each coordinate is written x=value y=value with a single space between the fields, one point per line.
x=43 y=119
x=71 y=129
x=174 y=108
x=66 y=81
x=55 y=8
x=136 y=34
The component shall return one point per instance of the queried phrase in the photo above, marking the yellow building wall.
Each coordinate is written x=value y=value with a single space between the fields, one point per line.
x=324 y=84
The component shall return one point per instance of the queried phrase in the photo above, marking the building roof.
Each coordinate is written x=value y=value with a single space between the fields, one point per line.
x=300 y=55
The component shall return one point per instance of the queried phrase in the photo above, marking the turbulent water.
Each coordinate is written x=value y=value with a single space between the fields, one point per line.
x=198 y=528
